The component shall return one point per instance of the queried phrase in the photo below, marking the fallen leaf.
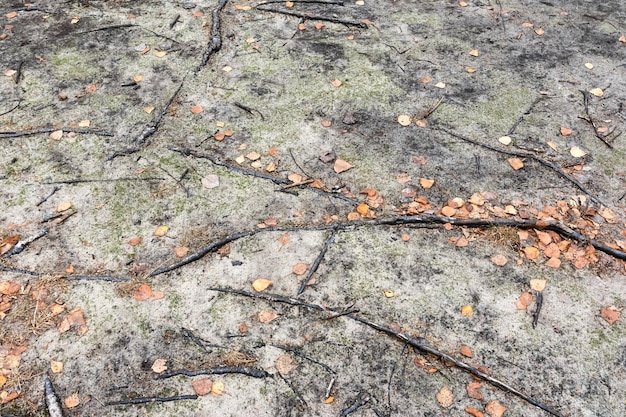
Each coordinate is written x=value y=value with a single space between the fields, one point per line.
x=157 y=295
x=144 y=292
x=426 y=183
x=495 y=409
x=56 y=367
x=159 y=366
x=301 y=26
x=197 y=109
x=217 y=388
x=597 y=92
x=341 y=166
x=160 y=54
x=227 y=68
x=461 y=242
x=161 y=231
x=73 y=319
x=9 y=287
x=462 y=4
x=470 y=70
x=71 y=401
x=181 y=251
x=474 y=412
x=448 y=211
x=148 y=109
x=467 y=311
x=505 y=140
x=540 y=31
x=243 y=327
x=577 y=152
x=11 y=15
x=404 y=119
x=538 y=284
x=389 y=293
x=253 y=156
x=524 y=300
x=300 y=268
x=319 y=26
x=531 y=252
x=336 y=83
x=134 y=241
x=405 y=237
x=329 y=400
x=63 y=206
x=473 y=391
x=3 y=380
x=553 y=263
x=528 y=25
x=265 y=316
x=622 y=39
x=210 y=181
x=363 y=209
x=566 y=131
x=474 y=52
x=499 y=260
x=284 y=364
x=610 y=314
x=516 y=163
x=84 y=123
x=261 y=284
x=202 y=386
x=445 y=397
x=552 y=145
x=271 y=222
x=466 y=351
x=284 y=239
x=7 y=397
x=440 y=85
x=420 y=123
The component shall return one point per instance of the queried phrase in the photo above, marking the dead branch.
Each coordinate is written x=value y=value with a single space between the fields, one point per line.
x=22 y=244
x=538 y=308
x=5 y=135
x=19 y=271
x=80 y=181
x=94 y=278
x=551 y=165
x=43 y=200
x=333 y=2
x=310 y=16
x=608 y=138
x=216 y=38
x=527 y=112
x=295 y=391
x=152 y=127
x=248 y=109
x=317 y=261
x=144 y=400
x=220 y=370
x=361 y=400
x=198 y=340
x=52 y=402
x=11 y=109
x=297 y=352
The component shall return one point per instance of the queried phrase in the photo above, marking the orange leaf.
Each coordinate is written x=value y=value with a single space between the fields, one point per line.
x=531 y=252
x=467 y=311
x=473 y=391
x=426 y=183
x=524 y=300
x=448 y=211
x=445 y=397
x=56 y=135
x=271 y=222
x=554 y=263
x=466 y=351
x=363 y=209
x=610 y=314
x=565 y=131
x=516 y=163
x=9 y=287
x=74 y=319
x=499 y=260
x=273 y=152
x=300 y=268
x=144 y=292
x=544 y=237
x=8 y=397
x=64 y=206
x=181 y=251
x=326 y=123
x=134 y=241
x=219 y=136
x=495 y=409
x=243 y=327
x=474 y=412
x=341 y=166
x=461 y=242
x=261 y=284
x=202 y=386
x=197 y=109
x=284 y=239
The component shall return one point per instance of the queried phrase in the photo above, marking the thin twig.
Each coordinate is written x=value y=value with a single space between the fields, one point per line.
x=52 y=402
x=538 y=308
x=19 y=271
x=220 y=370
x=43 y=200
x=145 y=400
x=248 y=109
x=11 y=109
x=5 y=135
x=297 y=352
x=22 y=244
x=609 y=137
x=94 y=278
x=317 y=261
x=216 y=38
x=526 y=113
x=199 y=341
x=80 y=181
x=295 y=391
x=309 y=16
x=361 y=400
x=152 y=127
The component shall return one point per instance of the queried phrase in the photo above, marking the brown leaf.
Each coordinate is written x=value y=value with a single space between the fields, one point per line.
x=284 y=239
x=134 y=241
x=74 y=319
x=466 y=351
x=243 y=327
x=495 y=409
x=266 y=316
x=159 y=366
x=181 y=251
x=9 y=287
x=71 y=401
x=64 y=206
x=445 y=397
x=474 y=412
x=566 y=131
x=284 y=364
x=224 y=250
x=553 y=263
x=516 y=163
x=144 y=292
x=341 y=166
x=448 y=211
x=461 y=242
x=426 y=183
x=610 y=314
x=524 y=300
x=197 y=109
x=202 y=386
x=531 y=252
x=300 y=268
x=473 y=391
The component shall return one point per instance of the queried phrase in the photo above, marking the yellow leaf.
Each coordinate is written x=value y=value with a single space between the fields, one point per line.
x=63 y=206
x=467 y=311
x=56 y=367
x=538 y=284
x=531 y=252
x=261 y=284
x=577 y=152
x=389 y=293
x=217 y=388
x=597 y=92
x=56 y=135
x=148 y=109
x=589 y=65
x=160 y=54
x=341 y=166
x=470 y=70
x=220 y=124
x=426 y=183
x=84 y=123
x=404 y=119
x=161 y=231
x=138 y=78
x=474 y=52
x=363 y=209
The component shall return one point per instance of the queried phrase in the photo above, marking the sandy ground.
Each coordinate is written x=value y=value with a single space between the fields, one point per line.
x=415 y=97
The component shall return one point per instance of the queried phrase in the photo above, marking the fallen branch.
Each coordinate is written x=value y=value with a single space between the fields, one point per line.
x=551 y=165
x=527 y=112
x=79 y=181
x=52 y=402
x=22 y=244
x=248 y=109
x=608 y=138
x=199 y=341
x=152 y=127
x=12 y=108
x=419 y=343
x=538 y=308
x=94 y=278
x=216 y=38
x=310 y=16
x=145 y=400
x=19 y=271
x=5 y=135
x=220 y=370
x=303 y=356
x=317 y=261
x=361 y=400
x=295 y=391
x=43 y=200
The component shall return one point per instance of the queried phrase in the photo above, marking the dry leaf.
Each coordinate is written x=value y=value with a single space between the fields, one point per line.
x=197 y=109
x=63 y=206
x=227 y=68
x=253 y=156
x=160 y=54
x=474 y=52
x=544 y=237
x=426 y=183
x=622 y=39
x=157 y=295
x=524 y=300
x=271 y=222
x=161 y=231
x=610 y=314
x=538 y=284
x=566 y=131
x=181 y=251
x=528 y=25
x=261 y=284
x=134 y=241
x=336 y=83
x=159 y=366
x=84 y=123
x=505 y=140
x=266 y=316
x=202 y=386
x=467 y=311
x=470 y=70
x=553 y=263
x=301 y=26
x=144 y=292
x=71 y=401
x=217 y=388
x=148 y=109
x=597 y=92
x=243 y=327
x=56 y=367
x=499 y=260
x=389 y=293
x=448 y=211
x=516 y=163
x=553 y=146
x=341 y=166
x=73 y=319
x=404 y=119
x=420 y=123
x=462 y=4
x=326 y=123
x=474 y=412
x=284 y=364
x=473 y=391
x=495 y=409
x=531 y=252
x=300 y=268
x=461 y=242
x=405 y=237
x=210 y=181
x=284 y=239
x=577 y=152
x=540 y=31
x=440 y=85
x=466 y=351
x=363 y=209
x=445 y=397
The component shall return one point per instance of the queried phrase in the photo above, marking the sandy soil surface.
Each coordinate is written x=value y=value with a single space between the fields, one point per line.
x=451 y=171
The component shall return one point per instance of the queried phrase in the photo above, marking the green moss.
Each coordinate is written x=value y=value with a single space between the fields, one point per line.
x=75 y=65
